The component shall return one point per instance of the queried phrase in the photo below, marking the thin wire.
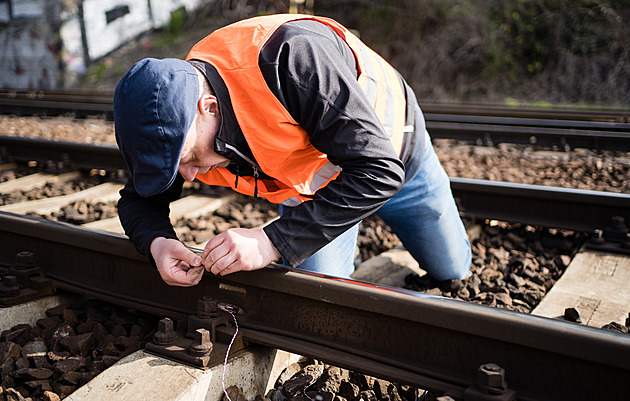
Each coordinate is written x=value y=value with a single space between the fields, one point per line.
x=318 y=397
x=227 y=353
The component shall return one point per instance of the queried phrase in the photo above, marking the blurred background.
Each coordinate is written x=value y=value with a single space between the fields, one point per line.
x=534 y=52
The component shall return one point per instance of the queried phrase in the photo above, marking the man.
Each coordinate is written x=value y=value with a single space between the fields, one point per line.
x=295 y=109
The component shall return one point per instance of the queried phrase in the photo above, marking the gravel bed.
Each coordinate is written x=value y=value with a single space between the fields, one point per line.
x=50 y=189
x=88 y=130
x=242 y=212
x=81 y=212
x=513 y=266
x=579 y=168
x=312 y=380
x=67 y=348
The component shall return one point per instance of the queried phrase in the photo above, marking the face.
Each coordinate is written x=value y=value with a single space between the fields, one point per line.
x=198 y=155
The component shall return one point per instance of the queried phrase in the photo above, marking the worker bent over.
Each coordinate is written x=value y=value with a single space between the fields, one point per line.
x=297 y=110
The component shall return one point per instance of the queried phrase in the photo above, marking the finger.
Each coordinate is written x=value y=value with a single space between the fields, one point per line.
x=185 y=276
x=187 y=256
x=195 y=274
x=233 y=268
x=215 y=256
x=226 y=262
x=173 y=280
x=214 y=242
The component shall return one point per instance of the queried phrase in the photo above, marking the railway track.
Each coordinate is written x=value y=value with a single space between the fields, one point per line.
x=430 y=342
x=561 y=128
x=77 y=103
x=442 y=343
x=599 y=212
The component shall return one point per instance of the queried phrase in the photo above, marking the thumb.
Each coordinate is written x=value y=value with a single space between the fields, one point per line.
x=184 y=254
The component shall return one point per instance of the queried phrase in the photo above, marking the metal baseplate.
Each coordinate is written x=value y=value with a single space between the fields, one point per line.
x=23 y=281
x=207 y=339
x=614 y=238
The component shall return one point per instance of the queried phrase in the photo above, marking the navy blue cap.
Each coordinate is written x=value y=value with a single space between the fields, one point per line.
x=154 y=106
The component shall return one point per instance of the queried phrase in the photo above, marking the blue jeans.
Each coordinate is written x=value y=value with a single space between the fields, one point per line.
x=424 y=217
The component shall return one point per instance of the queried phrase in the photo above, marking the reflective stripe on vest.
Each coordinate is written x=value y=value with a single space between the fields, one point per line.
x=382 y=86
x=322 y=177
x=280 y=146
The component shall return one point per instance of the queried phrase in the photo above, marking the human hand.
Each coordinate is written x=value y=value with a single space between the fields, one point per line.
x=177 y=265
x=238 y=249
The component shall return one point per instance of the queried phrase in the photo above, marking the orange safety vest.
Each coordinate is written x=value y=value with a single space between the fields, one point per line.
x=279 y=144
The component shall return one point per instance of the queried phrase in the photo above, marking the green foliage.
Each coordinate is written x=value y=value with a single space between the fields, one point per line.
x=177 y=21
x=509 y=51
x=567 y=50
x=172 y=34
x=119 y=70
x=96 y=72
x=166 y=40
x=527 y=34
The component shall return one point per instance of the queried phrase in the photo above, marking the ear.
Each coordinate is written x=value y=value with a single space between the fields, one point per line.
x=208 y=104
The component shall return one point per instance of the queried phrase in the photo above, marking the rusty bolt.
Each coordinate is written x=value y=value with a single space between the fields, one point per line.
x=9 y=287
x=202 y=345
x=491 y=375
x=165 y=334
x=24 y=260
x=207 y=307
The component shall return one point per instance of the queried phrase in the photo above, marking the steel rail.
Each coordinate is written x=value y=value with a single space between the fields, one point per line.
x=528 y=204
x=79 y=155
x=563 y=138
x=573 y=209
x=554 y=127
x=507 y=120
x=53 y=108
x=80 y=103
x=596 y=114
x=80 y=96
x=488 y=124
x=426 y=341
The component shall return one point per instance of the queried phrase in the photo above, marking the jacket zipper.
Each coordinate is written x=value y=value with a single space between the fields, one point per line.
x=255 y=167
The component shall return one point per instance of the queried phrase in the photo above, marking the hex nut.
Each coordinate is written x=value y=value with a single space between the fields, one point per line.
x=24 y=260
x=207 y=307
x=9 y=287
x=491 y=375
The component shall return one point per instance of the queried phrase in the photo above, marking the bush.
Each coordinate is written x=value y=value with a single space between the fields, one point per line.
x=570 y=51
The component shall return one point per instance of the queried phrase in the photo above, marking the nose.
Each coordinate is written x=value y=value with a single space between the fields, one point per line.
x=188 y=172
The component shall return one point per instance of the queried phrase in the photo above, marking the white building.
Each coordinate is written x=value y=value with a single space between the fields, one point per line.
x=43 y=43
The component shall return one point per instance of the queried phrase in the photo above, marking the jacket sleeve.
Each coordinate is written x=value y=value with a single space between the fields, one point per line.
x=312 y=72
x=145 y=219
